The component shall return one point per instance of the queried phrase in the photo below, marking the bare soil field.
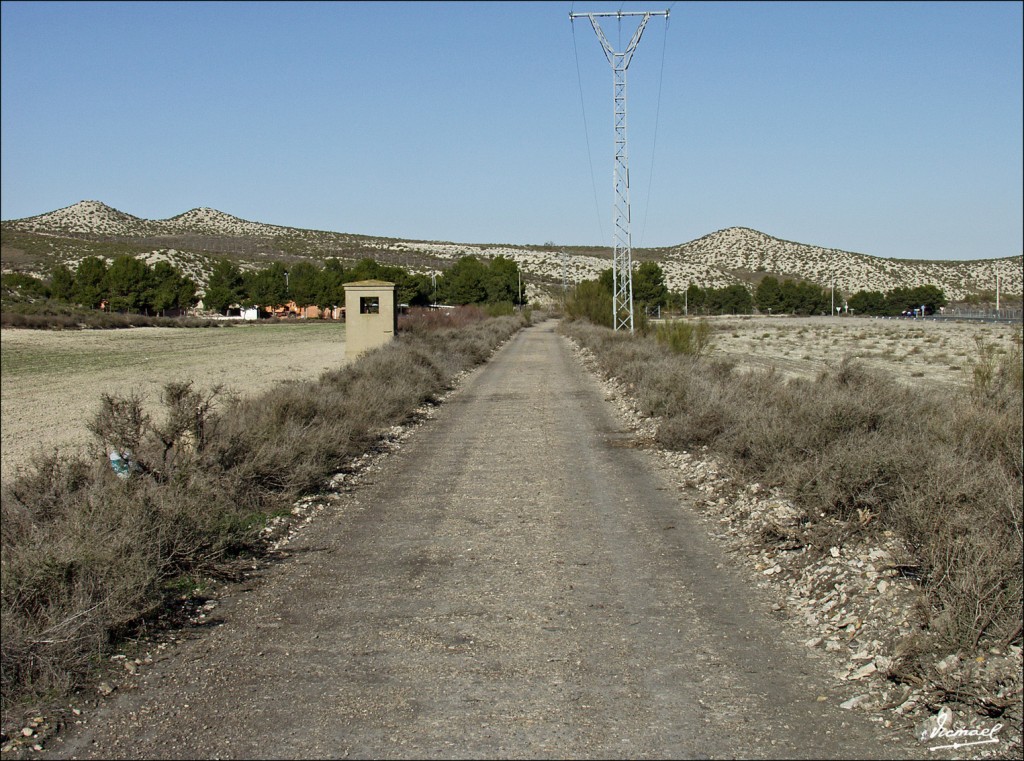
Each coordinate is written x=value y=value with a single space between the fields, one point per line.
x=52 y=380
x=927 y=352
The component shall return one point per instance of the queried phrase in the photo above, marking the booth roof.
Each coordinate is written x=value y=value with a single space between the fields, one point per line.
x=370 y=284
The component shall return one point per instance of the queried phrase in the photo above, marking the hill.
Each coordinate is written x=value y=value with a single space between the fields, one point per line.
x=195 y=239
x=743 y=254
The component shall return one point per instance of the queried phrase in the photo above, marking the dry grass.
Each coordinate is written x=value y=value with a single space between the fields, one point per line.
x=88 y=555
x=80 y=319
x=74 y=368
x=940 y=466
x=913 y=352
x=420 y=319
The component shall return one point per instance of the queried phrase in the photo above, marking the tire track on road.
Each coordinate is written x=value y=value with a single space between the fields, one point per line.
x=512 y=584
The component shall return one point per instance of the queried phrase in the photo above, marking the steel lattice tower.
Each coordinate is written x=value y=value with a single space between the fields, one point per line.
x=622 y=245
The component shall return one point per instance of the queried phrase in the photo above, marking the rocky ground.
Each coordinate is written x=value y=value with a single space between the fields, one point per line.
x=920 y=353
x=848 y=595
x=858 y=603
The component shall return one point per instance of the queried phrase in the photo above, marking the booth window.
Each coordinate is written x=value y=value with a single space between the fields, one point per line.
x=369 y=305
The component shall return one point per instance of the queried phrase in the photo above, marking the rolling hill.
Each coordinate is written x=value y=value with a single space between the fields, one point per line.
x=195 y=239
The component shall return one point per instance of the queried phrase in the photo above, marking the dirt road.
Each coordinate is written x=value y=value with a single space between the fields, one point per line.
x=516 y=582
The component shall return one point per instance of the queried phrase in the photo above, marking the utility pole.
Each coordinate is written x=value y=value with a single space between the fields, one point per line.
x=622 y=254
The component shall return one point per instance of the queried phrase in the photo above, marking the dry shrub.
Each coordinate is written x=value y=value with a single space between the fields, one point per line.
x=667 y=389
x=68 y=582
x=279 y=443
x=993 y=374
x=78 y=319
x=943 y=470
x=189 y=416
x=703 y=417
x=964 y=518
x=121 y=422
x=989 y=432
x=419 y=319
x=74 y=582
x=87 y=555
x=865 y=471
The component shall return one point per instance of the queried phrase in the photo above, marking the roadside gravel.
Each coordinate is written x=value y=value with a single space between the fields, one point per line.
x=518 y=580
x=854 y=598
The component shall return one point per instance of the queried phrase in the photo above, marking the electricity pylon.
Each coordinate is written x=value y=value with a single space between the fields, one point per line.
x=622 y=244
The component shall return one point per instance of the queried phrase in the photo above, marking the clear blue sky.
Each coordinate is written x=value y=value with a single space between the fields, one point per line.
x=891 y=129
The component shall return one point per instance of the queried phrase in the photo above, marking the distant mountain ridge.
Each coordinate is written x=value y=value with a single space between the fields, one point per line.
x=95 y=217
x=745 y=250
x=735 y=254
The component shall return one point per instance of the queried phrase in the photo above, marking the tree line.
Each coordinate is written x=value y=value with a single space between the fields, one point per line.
x=305 y=284
x=126 y=285
x=771 y=296
x=468 y=281
x=129 y=284
x=593 y=298
x=898 y=300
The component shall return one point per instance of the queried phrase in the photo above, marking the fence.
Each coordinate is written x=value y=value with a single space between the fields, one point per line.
x=1011 y=314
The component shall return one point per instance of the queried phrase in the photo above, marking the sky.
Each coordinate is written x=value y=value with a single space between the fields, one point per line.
x=890 y=129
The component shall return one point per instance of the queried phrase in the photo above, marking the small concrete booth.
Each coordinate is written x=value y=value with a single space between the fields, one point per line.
x=371 y=317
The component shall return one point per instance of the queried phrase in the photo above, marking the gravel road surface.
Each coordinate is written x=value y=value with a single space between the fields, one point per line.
x=517 y=581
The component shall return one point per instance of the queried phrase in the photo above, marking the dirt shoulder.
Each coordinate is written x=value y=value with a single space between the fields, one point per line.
x=518 y=581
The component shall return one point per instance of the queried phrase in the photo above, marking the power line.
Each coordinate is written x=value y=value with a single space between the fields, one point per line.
x=654 y=145
x=586 y=132
x=622 y=257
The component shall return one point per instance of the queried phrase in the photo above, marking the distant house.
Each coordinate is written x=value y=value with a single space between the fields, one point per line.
x=291 y=309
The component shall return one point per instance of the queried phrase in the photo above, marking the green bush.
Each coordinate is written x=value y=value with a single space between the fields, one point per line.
x=685 y=337
x=500 y=309
x=592 y=302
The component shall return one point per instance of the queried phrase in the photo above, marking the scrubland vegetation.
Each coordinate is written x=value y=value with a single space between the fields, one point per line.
x=90 y=555
x=196 y=240
x=941 y=468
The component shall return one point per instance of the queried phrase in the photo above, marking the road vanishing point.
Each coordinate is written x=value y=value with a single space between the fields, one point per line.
x=516 y=581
